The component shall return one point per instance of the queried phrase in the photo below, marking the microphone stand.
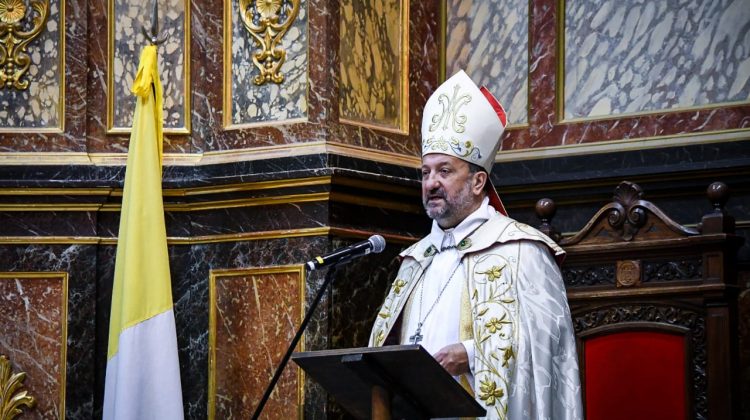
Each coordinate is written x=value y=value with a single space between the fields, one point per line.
x=297 y=336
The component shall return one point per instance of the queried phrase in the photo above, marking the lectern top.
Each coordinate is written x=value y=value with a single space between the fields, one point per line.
x=420 y=386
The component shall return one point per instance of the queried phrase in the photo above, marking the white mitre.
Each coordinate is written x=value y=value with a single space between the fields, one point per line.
x=465 y=121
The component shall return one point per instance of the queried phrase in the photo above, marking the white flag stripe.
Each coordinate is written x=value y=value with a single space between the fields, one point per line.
x=145 y=369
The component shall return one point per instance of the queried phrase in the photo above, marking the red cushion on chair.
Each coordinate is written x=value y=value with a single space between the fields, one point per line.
x=635 y=375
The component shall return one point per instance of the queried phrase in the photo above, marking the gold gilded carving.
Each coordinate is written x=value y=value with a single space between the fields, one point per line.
x=628 y=273
x=268 y=21
x=10 y=398
x=14 y=61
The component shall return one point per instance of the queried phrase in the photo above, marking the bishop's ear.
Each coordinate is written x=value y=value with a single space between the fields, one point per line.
x=479 y=180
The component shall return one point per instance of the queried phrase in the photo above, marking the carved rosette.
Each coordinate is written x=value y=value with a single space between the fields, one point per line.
x=11 y=397
x=14 y=40
x=589 y=318
x=268 y=21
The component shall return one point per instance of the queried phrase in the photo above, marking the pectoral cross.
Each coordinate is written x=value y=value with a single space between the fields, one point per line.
x=417 y=337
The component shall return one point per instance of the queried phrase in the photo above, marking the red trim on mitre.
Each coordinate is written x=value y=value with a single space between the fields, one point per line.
x=495 y=105
x=495 y=200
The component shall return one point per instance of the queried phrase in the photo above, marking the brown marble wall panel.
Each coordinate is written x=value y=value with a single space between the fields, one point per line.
x=97 y=139
x=72 y=138
x=547 y=127
x=424 y=18
x=250 y=103
x=254 y=315
x=34 y=101
x=126 y=43
x=33 y=313
x=79 y=262
x=373 y=55
x=207 y=34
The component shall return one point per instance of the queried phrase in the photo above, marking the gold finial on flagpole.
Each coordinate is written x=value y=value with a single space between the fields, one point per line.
x=153 y=37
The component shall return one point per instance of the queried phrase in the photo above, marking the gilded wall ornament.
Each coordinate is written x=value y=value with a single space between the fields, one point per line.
x=14 y=59
x=268 y=21
x=10 y=399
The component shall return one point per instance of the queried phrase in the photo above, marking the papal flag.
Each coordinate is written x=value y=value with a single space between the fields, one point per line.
x=143 y=372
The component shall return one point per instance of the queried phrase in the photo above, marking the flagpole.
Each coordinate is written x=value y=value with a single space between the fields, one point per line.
x=153 y=35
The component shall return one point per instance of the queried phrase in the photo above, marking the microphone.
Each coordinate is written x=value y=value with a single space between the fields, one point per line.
x=375 y=244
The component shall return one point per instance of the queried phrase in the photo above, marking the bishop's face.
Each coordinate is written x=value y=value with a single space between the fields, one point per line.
x=450 y=192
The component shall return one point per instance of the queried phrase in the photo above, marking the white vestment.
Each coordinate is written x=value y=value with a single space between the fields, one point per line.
x=509 y=309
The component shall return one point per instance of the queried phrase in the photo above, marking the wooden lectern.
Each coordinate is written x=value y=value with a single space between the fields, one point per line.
x=399 y=382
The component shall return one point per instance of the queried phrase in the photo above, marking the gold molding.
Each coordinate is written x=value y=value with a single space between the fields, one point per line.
x=11 y=207
x=560 y=71
x=224 y=204
x=187 y=207
x=262 y=124
x=187 y=93
x=213 y=239
x=377 y=203
x=214 y=157
x=560 y=87
x=403 y=119
x=298 y=269
x=43 y=158
x=378 y=186
x=227 y=124
x=268 y=35
x=103 y=191
x=60 y=128
x=442 y=41
x=12 y=395
x=63 y=323
x=305 y=197
x=185 y=192
x=624 y=145
x=252 y=186
x=251 y=202
x=251 y=236
x=373 y=155
x=17 y=40
x=50 y=240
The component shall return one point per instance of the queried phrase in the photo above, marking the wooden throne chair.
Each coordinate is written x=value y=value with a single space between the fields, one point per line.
x=654 y=308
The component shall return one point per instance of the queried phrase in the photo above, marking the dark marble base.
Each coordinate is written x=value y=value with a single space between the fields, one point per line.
x=357 y=198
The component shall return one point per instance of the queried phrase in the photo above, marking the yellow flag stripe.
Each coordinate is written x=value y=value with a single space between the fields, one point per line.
x=142 y=285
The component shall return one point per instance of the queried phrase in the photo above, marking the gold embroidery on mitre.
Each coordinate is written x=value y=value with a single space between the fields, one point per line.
x=449 y=113
x=462 y=149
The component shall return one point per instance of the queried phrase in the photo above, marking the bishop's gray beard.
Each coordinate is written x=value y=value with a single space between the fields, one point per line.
x=459 y=204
